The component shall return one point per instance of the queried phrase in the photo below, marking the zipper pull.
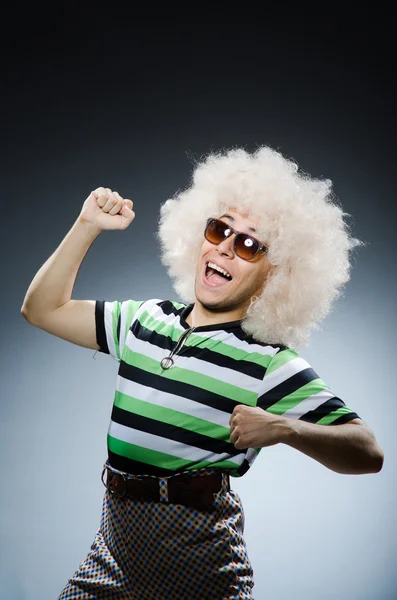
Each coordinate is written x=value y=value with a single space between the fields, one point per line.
x=167 y=362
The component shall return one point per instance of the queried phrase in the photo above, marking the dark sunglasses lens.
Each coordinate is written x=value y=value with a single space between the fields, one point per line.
x=216 y=231
x=245 y=246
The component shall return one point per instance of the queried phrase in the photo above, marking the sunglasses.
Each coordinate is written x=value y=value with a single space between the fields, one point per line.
x=244 y=246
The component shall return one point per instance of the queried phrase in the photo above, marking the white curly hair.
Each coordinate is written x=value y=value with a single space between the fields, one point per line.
x=299 y=219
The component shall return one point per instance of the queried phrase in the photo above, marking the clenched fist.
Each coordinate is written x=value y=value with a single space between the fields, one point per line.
x=254 y=427
x=107 y=210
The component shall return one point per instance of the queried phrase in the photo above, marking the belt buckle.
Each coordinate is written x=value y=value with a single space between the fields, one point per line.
x=184 y=491
x=108 y=484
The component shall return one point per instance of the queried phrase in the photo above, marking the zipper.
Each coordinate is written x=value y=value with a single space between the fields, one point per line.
x=167 y=362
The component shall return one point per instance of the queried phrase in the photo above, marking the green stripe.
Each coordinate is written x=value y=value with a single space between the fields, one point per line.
x=145 y=455
x=193 y=340
x=132 y=307
x=160 y=459
x=280 y=359
x=191 y=377
x=304 y=392
x=149 y=322
x=178 y=305
x=115 y=318
x=171 y=416
x=230 y=351
x=343 y=410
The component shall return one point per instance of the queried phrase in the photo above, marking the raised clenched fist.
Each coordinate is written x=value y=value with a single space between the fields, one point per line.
x=107 y=210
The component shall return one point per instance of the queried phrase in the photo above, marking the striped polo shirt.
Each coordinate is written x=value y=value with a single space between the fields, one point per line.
x=166 y=420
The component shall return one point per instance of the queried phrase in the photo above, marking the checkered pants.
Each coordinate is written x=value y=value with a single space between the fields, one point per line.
x=161 y=551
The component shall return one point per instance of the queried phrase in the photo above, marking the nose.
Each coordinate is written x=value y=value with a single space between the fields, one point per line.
x=226 y=246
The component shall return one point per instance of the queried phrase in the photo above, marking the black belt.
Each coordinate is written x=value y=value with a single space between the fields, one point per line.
x=196 y=491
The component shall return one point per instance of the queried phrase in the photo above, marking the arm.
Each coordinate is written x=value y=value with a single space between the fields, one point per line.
x=48 y=304
x=298 y=408
x=350 y=448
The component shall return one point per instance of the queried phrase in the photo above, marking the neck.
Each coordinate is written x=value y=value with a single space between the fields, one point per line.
x=200 y=316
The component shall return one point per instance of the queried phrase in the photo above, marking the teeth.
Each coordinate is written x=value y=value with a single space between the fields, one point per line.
x=216 y=268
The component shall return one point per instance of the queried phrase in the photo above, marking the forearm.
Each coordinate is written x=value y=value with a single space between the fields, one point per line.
x=347 y=449
x=53 y=284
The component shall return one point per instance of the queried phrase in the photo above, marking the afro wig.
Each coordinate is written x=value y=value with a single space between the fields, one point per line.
x=300 y=221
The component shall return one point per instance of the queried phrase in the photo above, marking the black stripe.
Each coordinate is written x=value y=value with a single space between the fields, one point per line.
x=136 y=467
x=331 y=405
x=246 y=337
x=100 y=326
x=172 y=432
x=323 y=410
x=147 y=335
x=207 y=355
x=245 y=367
x=118 y=328
x=290 y=385
x=345 y=418
x=169 y=309
x=185 y=390
x=243 y=468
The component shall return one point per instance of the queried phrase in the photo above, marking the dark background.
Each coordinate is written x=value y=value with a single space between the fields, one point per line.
x=93 y=96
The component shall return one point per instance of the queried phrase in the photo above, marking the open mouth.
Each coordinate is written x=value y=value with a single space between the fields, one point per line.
x=215 y=275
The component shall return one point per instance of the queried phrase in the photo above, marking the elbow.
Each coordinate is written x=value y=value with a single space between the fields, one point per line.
x=27 y=315
x=374 y=460
x=377 y=456
x=24 y=312
x=374 y=456
x=378 y=461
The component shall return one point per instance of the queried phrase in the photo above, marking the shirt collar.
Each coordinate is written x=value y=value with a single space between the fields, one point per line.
x=214 y=327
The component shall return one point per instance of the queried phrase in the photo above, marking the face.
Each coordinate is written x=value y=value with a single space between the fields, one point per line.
x=219 y=294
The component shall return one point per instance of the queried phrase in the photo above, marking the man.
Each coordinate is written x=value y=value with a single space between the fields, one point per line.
x=204 y=385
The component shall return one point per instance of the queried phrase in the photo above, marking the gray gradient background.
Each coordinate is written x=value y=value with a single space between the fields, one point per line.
x=90 y=102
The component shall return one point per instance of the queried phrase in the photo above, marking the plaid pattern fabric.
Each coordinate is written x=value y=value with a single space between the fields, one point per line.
x=161 y=551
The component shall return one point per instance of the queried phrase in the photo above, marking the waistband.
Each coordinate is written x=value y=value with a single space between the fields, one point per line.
x=185 y=474
x=195 y=487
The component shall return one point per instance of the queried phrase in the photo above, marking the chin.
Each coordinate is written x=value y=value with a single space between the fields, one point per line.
x=216 y=305
x=208 y=303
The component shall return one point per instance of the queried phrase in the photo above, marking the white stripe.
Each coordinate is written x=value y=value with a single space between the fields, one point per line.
x=156 y=312
x=167 y=446
x=123 y=323
x=251 y=455
x=148 y=305
x=108 y=318
x=223 y=374
x=174 y=402
x=124 y=312
x=235 y=342
x=219 y=334
x=309 y=404
x=281 y=374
